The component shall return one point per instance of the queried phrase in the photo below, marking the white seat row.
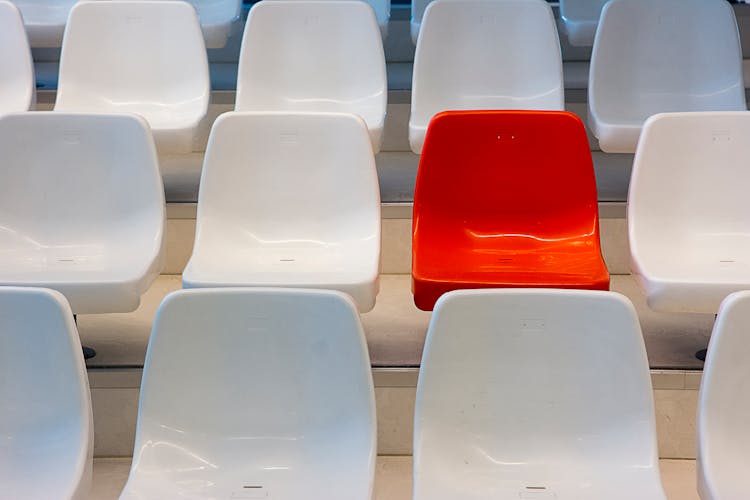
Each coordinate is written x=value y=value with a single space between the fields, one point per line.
x=326 y=56
x=149 y=59
x=278 y=400
x=282 y=203
x=45 y=20
x=650 y=56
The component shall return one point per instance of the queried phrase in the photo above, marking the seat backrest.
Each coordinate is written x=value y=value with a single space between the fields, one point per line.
x=70 y=176
x=312 y=56
x=273 y=386
x=531 y=387
x=724 y=403
x=486 y=54
x=498 y=173
x=688 y=178
x=653 y=56
x=119 y=52
x=17 y=86
x=45 y=418
x=285 y=176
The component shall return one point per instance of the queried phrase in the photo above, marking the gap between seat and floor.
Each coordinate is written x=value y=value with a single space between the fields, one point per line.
x=396 y=329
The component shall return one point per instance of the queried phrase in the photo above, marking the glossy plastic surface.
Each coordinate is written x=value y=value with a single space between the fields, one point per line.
x=45 y=419
x=382 y=10
x=656 y=56
x=505 y=199
x=484 y=54
x=288 y=200
x=216 y=18
x=45 y=20
x=255 y=393
x=724 y=404
x=148 y=58
x=314 y=56
x=535 y=394
x=579 y=20
x=688 y=218
x=81 y=207
x=17 y=85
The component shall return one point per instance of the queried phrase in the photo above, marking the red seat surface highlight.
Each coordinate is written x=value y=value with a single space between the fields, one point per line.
x=505 y=199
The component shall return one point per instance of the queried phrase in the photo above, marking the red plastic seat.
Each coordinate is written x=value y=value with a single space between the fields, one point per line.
x=505 y=199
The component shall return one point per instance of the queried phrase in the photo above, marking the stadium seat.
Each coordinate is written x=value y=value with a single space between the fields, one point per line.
x=81 y=207
x=579 y=19
x=535 y=394
x=45 y=20
x=314 y=56
x=484 y=54
x=146 y=58
x=656 y=56
x=17 y=88
x=724 y=404
x=288 y=200
x=216 y=18
x=255 y=393
x=382 y=10
x=505 y=199
x=688 y=230
x=45 y=418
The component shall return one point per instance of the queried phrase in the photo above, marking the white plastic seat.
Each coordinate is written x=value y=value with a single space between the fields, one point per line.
x=45 y=20
x=314 y=56
x=579 y=20
x=656 y=56
x=45 y=416
x=17 y=86
x=148 y=58
x=688 y=219
x=216 y=18
x=81 y=207
x=484 y=54
x=288 y=200
x=535 y=394
x=255 y=393
x=724 y=404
